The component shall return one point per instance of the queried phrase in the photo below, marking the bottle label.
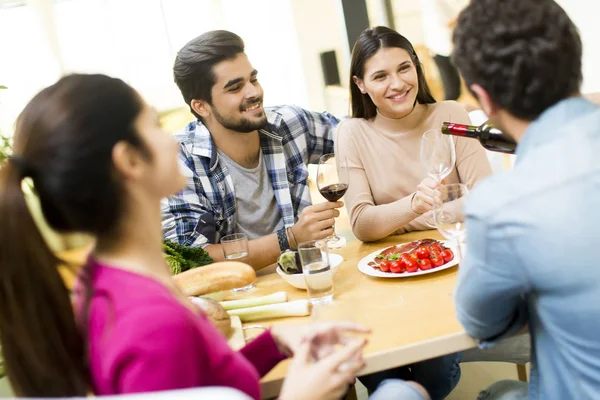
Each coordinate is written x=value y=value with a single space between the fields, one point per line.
x=455 y=129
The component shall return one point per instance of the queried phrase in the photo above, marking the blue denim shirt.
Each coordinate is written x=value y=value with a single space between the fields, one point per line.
x=531 y=255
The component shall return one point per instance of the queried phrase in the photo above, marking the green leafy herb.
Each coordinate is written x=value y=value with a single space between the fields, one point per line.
x=182 y=258
x=393 y=257
x=379 y=256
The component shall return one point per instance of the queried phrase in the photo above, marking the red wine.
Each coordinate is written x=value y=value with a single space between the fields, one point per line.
x=490 y=137
x=334 y=192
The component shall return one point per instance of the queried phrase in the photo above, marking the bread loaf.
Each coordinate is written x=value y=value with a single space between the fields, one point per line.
x=215 y=313
x=215 y=277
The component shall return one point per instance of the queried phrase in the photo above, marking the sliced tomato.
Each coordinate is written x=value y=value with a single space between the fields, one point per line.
x=423 y=253
x=411 y=266
x=424 y=264
x=397 y=267
x=447 y=255
x=385 y=266
x=436 y=260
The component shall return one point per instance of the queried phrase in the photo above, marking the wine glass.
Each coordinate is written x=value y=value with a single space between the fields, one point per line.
x=437 y=157
x=448 y=215
x=332 y=182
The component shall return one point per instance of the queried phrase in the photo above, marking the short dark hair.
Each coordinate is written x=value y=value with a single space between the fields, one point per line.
x=525 y=53
x=367 y=44
x=193 y=69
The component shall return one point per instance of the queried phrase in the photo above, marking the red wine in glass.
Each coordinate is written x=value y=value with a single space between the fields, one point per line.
x=332 y=182
x=334 y=192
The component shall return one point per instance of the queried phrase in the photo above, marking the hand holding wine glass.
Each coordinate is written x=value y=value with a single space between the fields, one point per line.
x=332 y=182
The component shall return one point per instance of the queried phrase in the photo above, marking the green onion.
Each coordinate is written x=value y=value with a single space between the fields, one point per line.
x=298 y=308
x=279 y=297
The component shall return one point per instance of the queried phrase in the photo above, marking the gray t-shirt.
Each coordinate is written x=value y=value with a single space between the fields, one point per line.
x=257 y=211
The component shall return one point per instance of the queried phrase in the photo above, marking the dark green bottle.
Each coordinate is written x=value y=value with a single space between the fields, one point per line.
x=493 y=139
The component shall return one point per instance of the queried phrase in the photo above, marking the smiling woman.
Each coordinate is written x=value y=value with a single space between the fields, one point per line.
x=392 y=107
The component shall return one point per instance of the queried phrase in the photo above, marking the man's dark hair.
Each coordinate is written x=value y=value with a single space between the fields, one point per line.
x=193 y=69
x=525 y=53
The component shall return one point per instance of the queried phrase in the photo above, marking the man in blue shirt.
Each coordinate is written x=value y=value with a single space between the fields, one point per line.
x=532 y=232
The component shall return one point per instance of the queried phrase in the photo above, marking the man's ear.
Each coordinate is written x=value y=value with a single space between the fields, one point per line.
x=127 y=161
x=201 y=107
x=487 y=105
x=358 y=82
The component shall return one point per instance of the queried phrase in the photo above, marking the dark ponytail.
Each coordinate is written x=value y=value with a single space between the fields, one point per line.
x=44 y=353
x=63 y=141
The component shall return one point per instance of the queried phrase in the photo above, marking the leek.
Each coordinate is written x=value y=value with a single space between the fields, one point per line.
x=279 y=297
x=298 y=308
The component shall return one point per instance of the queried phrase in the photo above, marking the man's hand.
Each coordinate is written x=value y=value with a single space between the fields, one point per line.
x=316 y=221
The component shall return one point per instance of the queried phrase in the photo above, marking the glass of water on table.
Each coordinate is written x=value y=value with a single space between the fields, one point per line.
x=317 y=272
x=235 y=248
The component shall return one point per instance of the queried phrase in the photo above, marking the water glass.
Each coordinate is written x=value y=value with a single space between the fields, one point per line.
x=448 y=212
x=235 y=248
x=317 y=272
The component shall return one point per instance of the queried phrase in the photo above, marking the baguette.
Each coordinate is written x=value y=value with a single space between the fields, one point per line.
x=215 y=277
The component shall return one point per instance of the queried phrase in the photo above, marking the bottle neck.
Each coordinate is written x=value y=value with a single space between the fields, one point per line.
x=451 y=128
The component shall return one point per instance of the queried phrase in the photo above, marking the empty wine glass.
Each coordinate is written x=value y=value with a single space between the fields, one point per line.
x=437 y=157
x=332 y=182
x=448 y=213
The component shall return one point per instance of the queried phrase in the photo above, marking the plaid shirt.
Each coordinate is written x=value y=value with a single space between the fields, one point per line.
x=206 y=209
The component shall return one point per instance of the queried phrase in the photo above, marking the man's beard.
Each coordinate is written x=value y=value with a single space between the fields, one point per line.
x=243 y=125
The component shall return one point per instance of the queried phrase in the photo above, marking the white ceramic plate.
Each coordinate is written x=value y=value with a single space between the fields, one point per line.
x=297 y=280
x=365 y=268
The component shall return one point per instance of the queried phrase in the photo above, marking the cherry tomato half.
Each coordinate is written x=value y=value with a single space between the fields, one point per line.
x=448 y=255
x=385 y=266
x=397 y=267
x=436 y=248
x=424 y=264
x=436 y=260
x=411 y=266
x=423 y=253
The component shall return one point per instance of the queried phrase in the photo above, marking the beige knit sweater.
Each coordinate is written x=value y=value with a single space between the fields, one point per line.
x=383 y=157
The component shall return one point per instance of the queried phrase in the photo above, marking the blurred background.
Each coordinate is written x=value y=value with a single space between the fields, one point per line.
x=301 y=48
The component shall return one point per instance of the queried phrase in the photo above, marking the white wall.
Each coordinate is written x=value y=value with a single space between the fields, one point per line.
x=584 y=14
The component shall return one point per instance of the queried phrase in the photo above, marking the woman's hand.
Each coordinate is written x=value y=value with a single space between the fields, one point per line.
x=328 y=378
x=422 y=200
x=327 y=334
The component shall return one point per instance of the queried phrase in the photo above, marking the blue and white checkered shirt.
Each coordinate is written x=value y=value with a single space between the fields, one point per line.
x=206 y=209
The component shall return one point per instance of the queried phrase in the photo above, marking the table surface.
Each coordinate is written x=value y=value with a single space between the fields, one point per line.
x=412 y=319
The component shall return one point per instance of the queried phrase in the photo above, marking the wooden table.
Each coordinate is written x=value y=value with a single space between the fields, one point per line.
x=412 y=319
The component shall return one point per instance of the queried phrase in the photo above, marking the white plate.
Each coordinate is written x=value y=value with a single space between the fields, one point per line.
x=297 y=280
x=365 y=268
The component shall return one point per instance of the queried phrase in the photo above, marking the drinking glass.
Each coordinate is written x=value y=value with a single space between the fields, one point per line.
x=324 y=345
x=438 y=157
x=332 y=182
x=317 y=272
x=447 y=213
x=235 y=248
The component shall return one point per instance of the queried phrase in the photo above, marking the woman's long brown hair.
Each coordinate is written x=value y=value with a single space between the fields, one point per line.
x=63 y=141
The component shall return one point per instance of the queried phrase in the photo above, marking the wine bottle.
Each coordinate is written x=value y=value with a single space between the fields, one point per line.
x=490 y=137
